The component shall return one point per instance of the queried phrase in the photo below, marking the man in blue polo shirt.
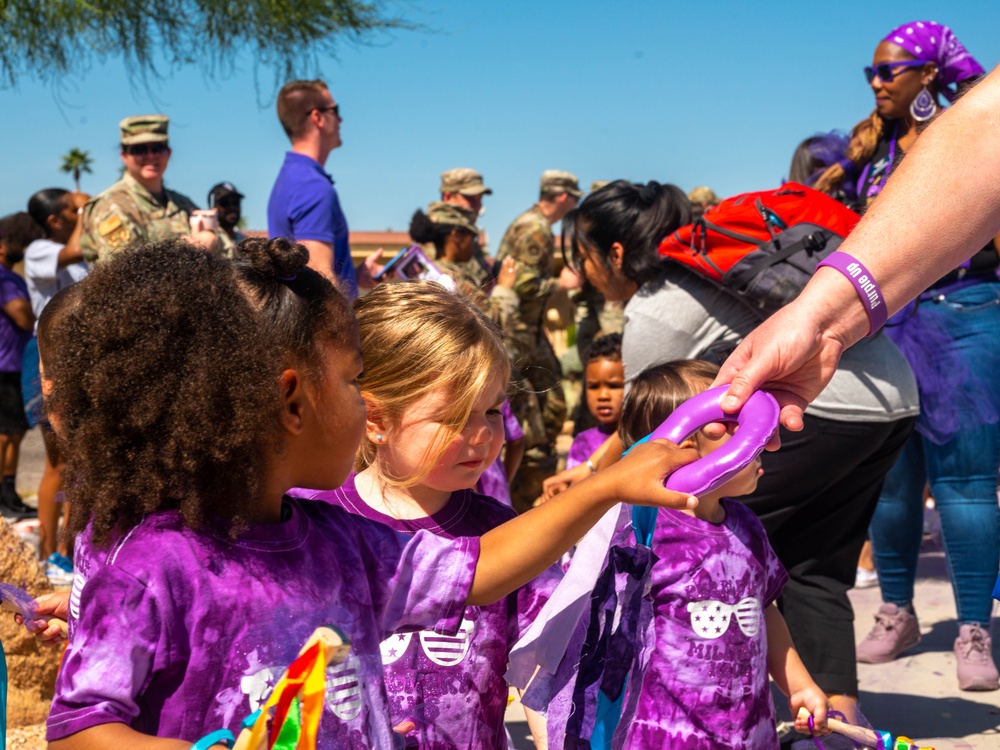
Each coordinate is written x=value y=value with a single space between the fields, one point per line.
x=304 y=205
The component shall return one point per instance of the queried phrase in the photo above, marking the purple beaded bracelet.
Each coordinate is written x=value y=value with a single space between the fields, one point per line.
x=864 y=284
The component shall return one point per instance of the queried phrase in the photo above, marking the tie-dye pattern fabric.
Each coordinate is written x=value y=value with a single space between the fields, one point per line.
x=178 y=633
x=701 y=679
x=453 y=688
x=585 y=444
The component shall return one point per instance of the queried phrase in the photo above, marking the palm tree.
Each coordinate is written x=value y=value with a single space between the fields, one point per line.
x=76 y=162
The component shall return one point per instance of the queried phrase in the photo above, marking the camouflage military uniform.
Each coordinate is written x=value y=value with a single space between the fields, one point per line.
x=126 y=212
x=474 y=283
x=467 y=182
x=539 y=401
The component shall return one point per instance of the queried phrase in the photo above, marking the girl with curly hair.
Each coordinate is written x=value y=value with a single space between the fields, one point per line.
x=194 y=394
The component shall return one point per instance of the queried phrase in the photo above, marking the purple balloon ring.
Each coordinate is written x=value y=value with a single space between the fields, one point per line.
x=757 y=420
x=14 y=599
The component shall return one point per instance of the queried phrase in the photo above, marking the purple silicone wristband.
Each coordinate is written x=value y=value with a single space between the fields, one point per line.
x=864 y=284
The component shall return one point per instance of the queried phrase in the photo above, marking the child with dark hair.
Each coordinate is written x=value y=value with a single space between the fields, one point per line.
x=700 y=677
x=17 y=322
x=51 y=263
x=195 y=392
x=52 y=336
x=604 y=389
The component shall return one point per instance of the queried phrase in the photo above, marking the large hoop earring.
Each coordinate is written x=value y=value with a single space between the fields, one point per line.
x=923 y=107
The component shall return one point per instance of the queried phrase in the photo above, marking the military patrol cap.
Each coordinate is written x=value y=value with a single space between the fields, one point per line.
x=440 y=212
x=598 y=184
x=144 y=129
x=465 y=181
x=557 y=181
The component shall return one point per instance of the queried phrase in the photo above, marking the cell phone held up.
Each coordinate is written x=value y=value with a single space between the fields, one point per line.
x=412 y=263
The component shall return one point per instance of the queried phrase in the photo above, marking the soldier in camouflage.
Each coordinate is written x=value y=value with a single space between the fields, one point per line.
x=530 y=242
x=452 y=230
x=464 y=187
x=138 y=206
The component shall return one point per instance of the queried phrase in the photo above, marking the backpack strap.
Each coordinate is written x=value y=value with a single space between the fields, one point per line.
x=819 y=240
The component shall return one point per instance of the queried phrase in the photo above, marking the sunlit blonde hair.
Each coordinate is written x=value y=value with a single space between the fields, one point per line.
x=418 y=338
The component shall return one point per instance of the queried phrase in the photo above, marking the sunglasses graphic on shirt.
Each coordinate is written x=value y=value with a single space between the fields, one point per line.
x=710 y=619
x=443 y=650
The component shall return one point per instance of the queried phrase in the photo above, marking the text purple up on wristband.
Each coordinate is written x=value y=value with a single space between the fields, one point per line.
x=864 y=285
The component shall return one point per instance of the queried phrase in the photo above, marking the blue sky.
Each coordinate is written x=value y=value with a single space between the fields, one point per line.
x=690 y=93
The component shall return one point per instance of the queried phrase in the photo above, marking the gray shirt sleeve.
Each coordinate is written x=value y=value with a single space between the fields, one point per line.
x=680 y=316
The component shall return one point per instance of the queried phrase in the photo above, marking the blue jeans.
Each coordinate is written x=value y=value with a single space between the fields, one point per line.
x=962 y=473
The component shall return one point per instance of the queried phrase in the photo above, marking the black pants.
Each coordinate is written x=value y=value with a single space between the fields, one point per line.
x=816 y=499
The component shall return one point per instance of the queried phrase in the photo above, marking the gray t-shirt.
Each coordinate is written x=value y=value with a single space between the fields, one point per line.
x=681 y=316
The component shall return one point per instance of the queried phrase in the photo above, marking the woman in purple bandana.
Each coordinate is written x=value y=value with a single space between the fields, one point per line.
x=913 y=68
x=949 y=336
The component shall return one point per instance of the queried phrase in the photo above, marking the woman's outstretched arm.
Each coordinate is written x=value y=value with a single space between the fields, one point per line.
x=941 y=206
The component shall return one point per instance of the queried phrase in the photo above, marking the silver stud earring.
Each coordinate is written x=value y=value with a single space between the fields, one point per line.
x=378 y=438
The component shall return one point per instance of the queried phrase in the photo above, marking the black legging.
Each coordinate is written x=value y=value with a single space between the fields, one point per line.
x=816 y=499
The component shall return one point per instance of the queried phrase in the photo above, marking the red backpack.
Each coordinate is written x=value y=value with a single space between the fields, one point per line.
x=763 y=247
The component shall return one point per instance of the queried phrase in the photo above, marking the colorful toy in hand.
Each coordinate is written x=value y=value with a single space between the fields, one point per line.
x=19 y=601
x=757 y=420
x=297 y=699
x=876 y=738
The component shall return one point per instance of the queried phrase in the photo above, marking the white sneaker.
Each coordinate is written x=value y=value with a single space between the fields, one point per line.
x=865 y=579
x=57 y=576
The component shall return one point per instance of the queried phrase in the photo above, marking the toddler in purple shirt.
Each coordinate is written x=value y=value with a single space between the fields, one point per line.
x=435 y=382
x=604 y=389
x=700 y=674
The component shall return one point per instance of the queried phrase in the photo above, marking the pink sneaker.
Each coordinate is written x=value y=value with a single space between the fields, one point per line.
x=895 y=631
x=974 y=653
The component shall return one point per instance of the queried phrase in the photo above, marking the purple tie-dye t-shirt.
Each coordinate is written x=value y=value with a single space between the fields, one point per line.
x=701 y=679
x=453 y=688
x=177 y=633
x=585 y=444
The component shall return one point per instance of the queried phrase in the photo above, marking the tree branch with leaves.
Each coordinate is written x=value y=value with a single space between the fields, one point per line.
x=49 y=39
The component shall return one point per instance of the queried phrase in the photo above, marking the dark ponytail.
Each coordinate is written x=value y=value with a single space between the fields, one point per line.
x=636 y=216
x=46 y=203
x=423 y=231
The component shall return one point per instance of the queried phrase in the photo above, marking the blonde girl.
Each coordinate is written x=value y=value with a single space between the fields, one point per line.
x=436 y=375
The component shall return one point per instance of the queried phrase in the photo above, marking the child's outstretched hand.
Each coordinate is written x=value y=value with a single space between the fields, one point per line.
x=53 y=632
x=639 y=476
x=809 y=701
